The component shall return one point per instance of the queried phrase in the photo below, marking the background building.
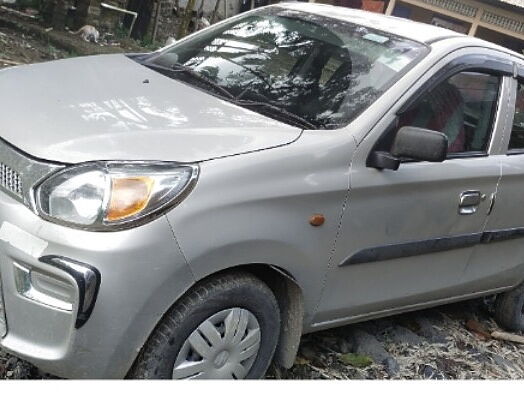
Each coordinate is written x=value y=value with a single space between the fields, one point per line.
x=498 y=21
x=492 y=20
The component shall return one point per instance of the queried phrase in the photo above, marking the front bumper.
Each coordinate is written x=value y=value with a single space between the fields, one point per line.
x=56 y=324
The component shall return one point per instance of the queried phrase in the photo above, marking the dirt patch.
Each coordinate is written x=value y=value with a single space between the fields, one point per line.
x=24 y=41
x=23 y=48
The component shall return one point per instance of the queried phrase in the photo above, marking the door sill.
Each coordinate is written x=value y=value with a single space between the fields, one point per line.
x=398 y=310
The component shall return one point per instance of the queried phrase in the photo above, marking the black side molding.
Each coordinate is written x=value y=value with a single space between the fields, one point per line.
x=429 y=246
x=501 y=235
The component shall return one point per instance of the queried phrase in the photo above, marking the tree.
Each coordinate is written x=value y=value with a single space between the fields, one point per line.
x=215 y=11
x=186 y=19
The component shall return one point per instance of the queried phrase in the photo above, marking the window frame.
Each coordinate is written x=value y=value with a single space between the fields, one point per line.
x=483 y=63
x=519 y=79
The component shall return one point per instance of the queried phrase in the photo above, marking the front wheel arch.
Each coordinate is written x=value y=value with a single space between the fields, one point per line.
x=290 y=300
x=291 y=303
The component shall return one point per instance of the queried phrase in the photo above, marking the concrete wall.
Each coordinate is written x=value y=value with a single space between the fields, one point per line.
x=233 y=6
x=476 y=15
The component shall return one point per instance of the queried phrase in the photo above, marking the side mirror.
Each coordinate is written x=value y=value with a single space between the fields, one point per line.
x=420 y=144
x=414 y=143
x=167 y=60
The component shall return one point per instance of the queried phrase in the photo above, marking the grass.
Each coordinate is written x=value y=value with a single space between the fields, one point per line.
x=356 y=360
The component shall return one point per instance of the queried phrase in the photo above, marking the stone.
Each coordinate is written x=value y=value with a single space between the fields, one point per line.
x=366 y=344
x=402 y=335
x=429 y=372
x=391 y=366
x=429 y=331
x=344 y=346
x=500 y=361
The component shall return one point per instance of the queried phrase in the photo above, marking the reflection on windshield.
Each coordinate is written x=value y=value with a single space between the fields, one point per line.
x=321 y=70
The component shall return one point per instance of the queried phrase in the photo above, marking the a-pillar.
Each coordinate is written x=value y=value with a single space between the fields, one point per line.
x=390 y=7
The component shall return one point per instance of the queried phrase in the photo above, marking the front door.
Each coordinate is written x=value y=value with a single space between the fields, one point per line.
x=407 y=235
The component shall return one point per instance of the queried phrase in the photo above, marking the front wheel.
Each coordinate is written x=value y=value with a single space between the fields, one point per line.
x=226 y=327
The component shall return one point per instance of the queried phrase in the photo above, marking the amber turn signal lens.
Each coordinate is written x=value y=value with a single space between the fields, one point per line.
x=317 y=220
x=129 y=196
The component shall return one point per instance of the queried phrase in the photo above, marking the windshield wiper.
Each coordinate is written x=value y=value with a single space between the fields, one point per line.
x=180 y=68
x=281 y=113
x=277 y=112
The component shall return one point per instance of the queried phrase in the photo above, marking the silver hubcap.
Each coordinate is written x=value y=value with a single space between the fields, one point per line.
x=224 y=346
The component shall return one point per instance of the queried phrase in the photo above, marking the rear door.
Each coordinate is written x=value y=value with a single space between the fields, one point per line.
x=499 y=261
x=407 y=235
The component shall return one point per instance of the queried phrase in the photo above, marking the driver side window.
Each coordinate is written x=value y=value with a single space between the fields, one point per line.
x=463 y=107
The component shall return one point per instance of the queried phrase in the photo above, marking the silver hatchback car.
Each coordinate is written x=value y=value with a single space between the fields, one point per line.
x=190 y=213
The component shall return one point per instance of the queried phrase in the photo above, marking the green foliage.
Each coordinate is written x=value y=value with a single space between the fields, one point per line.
x=23 y=4
x=356 y=360
x=120 y=32
x=72 y=53
x=147 y=42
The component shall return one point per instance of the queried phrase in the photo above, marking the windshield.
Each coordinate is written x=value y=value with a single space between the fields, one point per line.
x=302 y=66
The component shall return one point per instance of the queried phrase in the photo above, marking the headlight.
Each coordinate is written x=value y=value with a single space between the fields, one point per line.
x=111 y=195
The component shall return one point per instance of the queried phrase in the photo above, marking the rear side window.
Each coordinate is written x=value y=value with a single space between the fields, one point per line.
x=463 y=107
x=516 y=141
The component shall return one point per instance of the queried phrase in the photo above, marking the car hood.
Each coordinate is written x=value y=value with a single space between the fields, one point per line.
x=112 y=108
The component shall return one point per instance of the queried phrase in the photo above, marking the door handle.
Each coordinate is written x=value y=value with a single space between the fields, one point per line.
x=470 y=201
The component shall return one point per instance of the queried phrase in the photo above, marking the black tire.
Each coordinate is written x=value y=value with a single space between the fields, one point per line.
x=237 y=289
x=508 y=309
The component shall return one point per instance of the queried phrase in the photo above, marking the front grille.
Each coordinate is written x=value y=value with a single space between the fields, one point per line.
x=19 y=172
x=10 y=179
x=3 y=323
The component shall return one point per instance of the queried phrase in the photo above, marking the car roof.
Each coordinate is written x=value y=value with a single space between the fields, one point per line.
x=415 y=31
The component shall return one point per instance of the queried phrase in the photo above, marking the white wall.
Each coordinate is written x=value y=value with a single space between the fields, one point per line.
x=233 y=6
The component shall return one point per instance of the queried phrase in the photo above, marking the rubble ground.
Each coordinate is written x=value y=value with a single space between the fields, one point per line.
x=24 y=41
x=22 y=48
x=436 y=343
x=439 y=343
